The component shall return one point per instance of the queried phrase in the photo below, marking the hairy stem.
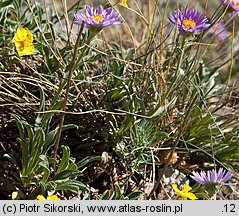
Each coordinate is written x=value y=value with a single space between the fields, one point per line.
x=72 y=67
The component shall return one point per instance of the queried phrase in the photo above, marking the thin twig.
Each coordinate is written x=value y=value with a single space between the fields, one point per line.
x=82 y=113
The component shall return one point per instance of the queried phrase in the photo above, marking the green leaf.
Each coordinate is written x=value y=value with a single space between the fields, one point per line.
x=16 y=177
x=11 y=158
x=72 y=167
x=62 y=175
x=41 y=108
x=118 y=194
x=69 y=126
x=50 y=137
x=134 y=195
x=72 y=185
x=65 y=159
x=49 y=142
x=47 y=117
x=158 y=111
x=105 y=195
x=202 y=195
x=87 y=160
x=44 y=163
x=20 y=127
x=38 y=142
x=5 y=3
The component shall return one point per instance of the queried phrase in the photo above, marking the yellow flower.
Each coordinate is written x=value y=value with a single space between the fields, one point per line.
x=123 y=2
x=51 y=197
x=184 y=194
x=23 y=41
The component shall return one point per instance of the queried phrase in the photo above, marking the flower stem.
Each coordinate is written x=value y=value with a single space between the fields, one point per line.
x=72 y=67
x=161 y=173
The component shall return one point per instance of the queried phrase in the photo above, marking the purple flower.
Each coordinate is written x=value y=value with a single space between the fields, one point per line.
x=211 y=176
x=98 y=18
x=234 y=4
x=219 y=30
x=189 y=20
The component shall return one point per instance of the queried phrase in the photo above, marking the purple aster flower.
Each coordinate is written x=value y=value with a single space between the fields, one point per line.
x=189 y=20
x=234 y=4
x=213 y=176
x=98 y=18
x=219 y=30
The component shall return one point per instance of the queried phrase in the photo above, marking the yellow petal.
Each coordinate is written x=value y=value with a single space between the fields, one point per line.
x=186 y=188
x=191 y=196
x=53 y=197
x=23 y=41
x=175 y=187
x=28 y=50
x=124 y=3
x=184 y=194
x=23 y=34
x=177 y=191
x=40 y=197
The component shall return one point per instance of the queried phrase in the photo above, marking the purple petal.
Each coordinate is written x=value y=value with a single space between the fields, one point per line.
x=180 y=15
x=79 y=18
x=89 y=11
x=99 y=9
x=213 y=176
x=198 y=178
x=109 y=10
x=226 y=177
x=110 y=17
x=221 y=173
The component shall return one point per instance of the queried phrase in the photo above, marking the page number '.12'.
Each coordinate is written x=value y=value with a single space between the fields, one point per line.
x=229 y=208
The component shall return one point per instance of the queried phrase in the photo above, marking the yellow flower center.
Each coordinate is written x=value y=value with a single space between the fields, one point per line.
x=189 y=24
x=24 y=43
x=236 y=3
x=98 y=17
